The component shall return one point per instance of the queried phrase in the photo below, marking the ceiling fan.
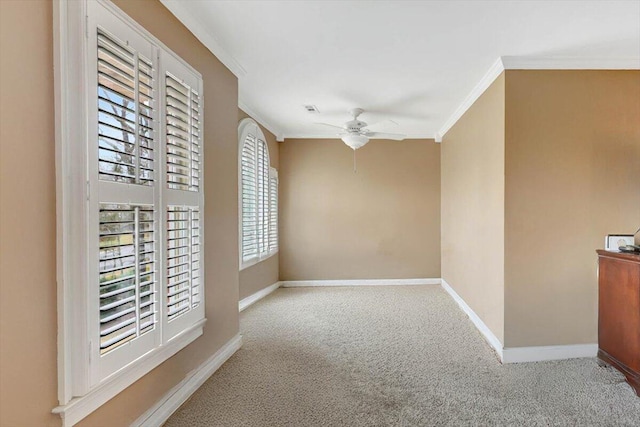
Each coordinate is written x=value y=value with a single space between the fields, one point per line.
x=355 y=133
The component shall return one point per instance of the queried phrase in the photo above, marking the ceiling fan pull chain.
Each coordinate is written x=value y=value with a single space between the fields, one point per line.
x=354 y=162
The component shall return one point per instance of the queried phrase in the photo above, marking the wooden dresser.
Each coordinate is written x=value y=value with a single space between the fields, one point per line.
x=619 y=313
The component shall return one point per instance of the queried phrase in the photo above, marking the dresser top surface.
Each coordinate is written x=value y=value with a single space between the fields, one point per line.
x=627 y=256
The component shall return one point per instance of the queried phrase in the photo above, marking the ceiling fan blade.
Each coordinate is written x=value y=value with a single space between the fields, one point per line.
x=383 y=122
x=382 y=135
x=331 y=126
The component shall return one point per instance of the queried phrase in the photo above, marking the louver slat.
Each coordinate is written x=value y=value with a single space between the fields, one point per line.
x=126 y=273
x=125 y=111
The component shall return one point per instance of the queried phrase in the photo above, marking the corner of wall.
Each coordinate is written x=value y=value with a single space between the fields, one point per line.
x=472 y=198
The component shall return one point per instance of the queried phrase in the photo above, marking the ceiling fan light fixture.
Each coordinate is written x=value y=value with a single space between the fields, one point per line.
x=355 y=141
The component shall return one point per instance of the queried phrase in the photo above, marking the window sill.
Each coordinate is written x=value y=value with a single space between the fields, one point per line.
x=79 y=407
x=254 y=261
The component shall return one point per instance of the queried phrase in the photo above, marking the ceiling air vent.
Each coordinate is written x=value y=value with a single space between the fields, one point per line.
x=311 y=109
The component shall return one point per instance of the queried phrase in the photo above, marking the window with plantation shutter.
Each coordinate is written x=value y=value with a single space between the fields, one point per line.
x=130 y=152
x=257 y=196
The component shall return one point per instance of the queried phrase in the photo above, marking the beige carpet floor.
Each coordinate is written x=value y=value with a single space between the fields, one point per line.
x=392 y=356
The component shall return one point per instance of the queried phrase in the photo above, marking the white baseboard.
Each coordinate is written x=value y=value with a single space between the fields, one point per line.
x=159 y=413
x=522 y=354
x=364 y=282
x=480 y=325
x=251 y=299
x=544 y=353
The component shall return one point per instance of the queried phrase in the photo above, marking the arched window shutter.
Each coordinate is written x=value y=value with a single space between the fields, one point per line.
x=258 y=196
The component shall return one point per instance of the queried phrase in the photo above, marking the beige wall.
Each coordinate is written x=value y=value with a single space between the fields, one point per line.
x=572 y=176
x=379 y=223
x=28 y=372
x=265 y=273
x=28 y=386
x=473 y=207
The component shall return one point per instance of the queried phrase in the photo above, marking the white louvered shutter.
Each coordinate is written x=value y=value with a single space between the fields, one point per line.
x=273 y=210
x=183 y=135
x=249 y=198
x=183 y=197
x=125 y=116
x=127 y=273
x=263 y=198
x=183 y=260
x=123 y=216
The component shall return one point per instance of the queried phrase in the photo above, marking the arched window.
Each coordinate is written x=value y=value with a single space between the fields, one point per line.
x=258 y=190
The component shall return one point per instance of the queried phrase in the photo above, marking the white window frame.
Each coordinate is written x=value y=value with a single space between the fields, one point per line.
x=249 y=126
x=78 y=393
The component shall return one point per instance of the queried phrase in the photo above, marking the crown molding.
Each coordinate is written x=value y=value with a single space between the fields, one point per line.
x=261 y=121
x=325 y=136
x=311 y=136
x=568 y=63
x=178 y=9
x=533 y=63
x=489 y=77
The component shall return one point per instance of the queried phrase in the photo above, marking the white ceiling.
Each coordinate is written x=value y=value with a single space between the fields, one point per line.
x=414 y=62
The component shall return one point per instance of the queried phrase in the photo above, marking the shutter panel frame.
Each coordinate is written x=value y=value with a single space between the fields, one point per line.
x=182 y=154
x=249 y=206
x=121 y=148
x=129 y=297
